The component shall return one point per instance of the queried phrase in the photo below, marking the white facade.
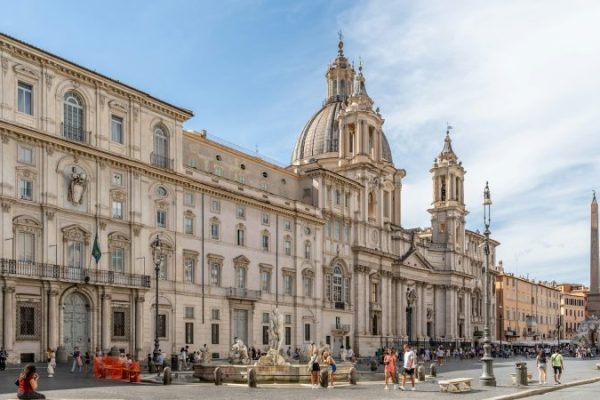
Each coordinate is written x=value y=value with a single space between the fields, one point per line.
x=82 y=155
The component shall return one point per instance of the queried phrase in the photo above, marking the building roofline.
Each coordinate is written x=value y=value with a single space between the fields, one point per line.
x=181 y=110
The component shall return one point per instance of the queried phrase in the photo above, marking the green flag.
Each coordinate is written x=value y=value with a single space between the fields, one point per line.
x=96 y=253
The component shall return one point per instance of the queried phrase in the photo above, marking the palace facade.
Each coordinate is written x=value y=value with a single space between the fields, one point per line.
x=86 y=160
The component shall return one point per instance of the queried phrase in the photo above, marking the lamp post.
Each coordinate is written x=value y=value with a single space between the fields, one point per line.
x=157 y=255
x=487 y=377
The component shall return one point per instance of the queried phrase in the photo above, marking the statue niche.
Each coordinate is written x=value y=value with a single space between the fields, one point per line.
x=77 y=185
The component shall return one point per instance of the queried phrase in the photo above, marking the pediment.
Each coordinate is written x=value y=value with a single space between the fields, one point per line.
x=241 y=260
x=413 y=258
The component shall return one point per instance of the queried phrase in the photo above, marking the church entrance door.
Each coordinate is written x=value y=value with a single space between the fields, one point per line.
x=76 y=323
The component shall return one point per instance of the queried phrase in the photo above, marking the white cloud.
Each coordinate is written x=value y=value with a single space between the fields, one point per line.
x=519 y=82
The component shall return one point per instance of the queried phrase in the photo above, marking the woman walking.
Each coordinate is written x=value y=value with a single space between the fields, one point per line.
x=51 y=362
x=28 y=384
x=540 y=361
x=389 y=362
x=315 y=369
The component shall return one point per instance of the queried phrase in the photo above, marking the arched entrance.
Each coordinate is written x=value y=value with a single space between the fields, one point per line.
x=76 y=323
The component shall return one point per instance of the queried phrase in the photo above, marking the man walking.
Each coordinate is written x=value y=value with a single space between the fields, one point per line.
x=409 y=367
x=557 y=365
x=3 y=357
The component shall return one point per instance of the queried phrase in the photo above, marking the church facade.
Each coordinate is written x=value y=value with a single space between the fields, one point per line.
x=93 y=170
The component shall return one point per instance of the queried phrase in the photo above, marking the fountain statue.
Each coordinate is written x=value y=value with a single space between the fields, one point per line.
x=588 y=334
x=239 y=352
x=274 y=356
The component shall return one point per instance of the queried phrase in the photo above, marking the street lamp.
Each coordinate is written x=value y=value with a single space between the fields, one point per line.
x=487 y=377
x=157 y=256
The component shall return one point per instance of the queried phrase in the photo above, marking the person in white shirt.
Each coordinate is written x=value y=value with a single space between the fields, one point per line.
x=409 y=367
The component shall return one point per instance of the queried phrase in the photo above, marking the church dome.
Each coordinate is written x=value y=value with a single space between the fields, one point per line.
x=320 y=134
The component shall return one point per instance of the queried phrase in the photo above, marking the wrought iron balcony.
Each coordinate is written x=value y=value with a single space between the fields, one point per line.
x=52 y=272
x=161 y=161
x=75 y=133
x=340 y=329
x=243 y=294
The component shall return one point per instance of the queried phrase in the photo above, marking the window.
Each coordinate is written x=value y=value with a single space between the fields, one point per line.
x=265 y=242
x=188 y=225
x=264 y=186
x=215 y=205
x=25 y=247
x=265 y=318
x=265 y=334
x=337 y=285
x=214 y=231
x=288 y=285
x=75 y=255
x=347 y=203
x=215 y=314
x=240 y=236
x=25 y=189
x=162 y=271
x=189 y=333
x=188 y=199
x=307 y=332
x=117 y=129
x=240 y=277
x=117 y=260
x=288 y=335
x=25 y=155
x=161 y=191
x=160 y=157
x=188 y=269
x=27 y=321
x=117 y=179
x=215 y=274
x=287 y=247
x=214 y=333
x=374 y=292
x=307 y=283
x=287 y=225
x=161 y=218
x=288 y=319
x=73 y=118
x=25 y=98
x=117 y=209
x=119 y=323
x=162 y=325
x=218 y=171
x=189 y=312
x=241 y=212
x=265 y=281
x=265 y=219
x=338 y=198
x=242 y=179
x=307 y=250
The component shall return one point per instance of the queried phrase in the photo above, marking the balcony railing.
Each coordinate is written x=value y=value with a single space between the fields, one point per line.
x=341 y=328
x=161 y=161
x=75 y=133
x=26 y=269
x=243 y=294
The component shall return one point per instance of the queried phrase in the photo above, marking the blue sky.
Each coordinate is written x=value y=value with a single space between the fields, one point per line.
x=518 y=81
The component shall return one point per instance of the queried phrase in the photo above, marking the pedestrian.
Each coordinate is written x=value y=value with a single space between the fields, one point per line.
x=389 y=362
x=51 y=362
x=350 y=354
x=88 y=361
x=331 y=367
x=183 y=358
x=409 y=367
x=3 y=357
x=440 y=356
x=28 y=383
x=540 y=361
x=77 y=362
x=314 y=367
x=557 y=365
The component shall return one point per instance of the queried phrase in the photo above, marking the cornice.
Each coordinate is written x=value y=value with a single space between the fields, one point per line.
x=79 y=150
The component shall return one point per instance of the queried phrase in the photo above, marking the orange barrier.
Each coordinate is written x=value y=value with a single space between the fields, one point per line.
x=116 y=368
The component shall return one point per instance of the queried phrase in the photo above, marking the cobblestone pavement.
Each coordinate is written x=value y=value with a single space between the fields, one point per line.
x=578 y=392
x=74 y=386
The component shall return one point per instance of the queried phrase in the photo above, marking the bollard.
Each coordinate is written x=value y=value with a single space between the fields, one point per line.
x=352 y=376
x=167 y=376
x=433 y=370
x=324 y=378
x=251 y=378
x=521 y=374
x=421 y=373
x=218 y=376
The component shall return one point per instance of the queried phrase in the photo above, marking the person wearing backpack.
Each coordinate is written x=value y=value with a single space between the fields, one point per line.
x=540 y=361
x=557 y=365
x=315 y=369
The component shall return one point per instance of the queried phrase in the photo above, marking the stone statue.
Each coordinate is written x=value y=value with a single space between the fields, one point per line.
x=411 y=296
x=205 y=356
x=239 y=352
x=276 y=330
x=588 y=334
x=77 y=186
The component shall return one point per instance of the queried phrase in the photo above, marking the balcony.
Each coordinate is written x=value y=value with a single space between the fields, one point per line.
x=52 y=272
x=161 y=161
x=75 y=133
x=243 y=294
x=340 y=329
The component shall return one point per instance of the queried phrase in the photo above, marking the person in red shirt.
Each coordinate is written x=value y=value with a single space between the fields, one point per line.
x=389 y=360
x=28 y=384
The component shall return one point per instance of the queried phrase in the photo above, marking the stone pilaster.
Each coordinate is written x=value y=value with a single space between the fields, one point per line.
x=53 y=321
x=9 y=317
x=139 y=326
x=106 y=318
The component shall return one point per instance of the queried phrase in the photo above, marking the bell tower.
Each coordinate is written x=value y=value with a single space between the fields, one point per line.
x=448 y=206
x=340 y=76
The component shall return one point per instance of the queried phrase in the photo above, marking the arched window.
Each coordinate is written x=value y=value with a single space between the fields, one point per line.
x=307 y=252
x=73 y=118
x=160 y=156
x=372 y=210
x=240 y=235
x=337 y=284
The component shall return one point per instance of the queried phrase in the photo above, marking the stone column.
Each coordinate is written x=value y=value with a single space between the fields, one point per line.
x=367 y=298
x=402 y=305
x=419 y=310
x=139 y=326
x=449 y=314
x=468 y=314
x=9 y=319
x=385 y=323
x=53 y=322
x=106 y=322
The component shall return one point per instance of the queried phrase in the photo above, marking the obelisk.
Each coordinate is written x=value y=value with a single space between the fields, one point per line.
x=594 y=295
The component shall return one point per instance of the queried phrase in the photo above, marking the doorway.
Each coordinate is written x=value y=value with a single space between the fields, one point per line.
x=76 y=323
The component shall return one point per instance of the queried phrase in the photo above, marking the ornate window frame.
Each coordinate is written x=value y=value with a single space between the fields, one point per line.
x=24 y=224
x=121 y=241
x=214 y=259
x=125 y=309
x=37 y=320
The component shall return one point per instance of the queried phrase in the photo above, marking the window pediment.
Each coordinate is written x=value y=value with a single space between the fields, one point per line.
x=265 y=267
x=76 y=234
x=118 y=237
x=25 y=71
x=118 y=195
x=26 y=172
x=241 y=261
x=115 y=105
x=215 y=257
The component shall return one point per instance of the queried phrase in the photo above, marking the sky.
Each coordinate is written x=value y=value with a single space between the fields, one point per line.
x=518 y=81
